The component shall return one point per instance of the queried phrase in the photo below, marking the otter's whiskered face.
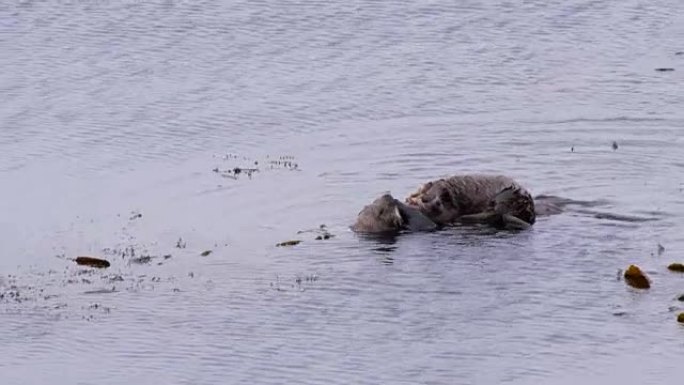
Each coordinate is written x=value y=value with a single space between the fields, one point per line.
x=436 y=202
x=381 y=216
x=388 y=215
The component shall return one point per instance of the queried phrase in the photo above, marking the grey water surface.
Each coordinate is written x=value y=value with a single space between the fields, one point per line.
x=113 y=115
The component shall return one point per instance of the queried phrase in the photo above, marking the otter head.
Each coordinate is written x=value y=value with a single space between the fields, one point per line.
x=388 y=215
x=436 y=201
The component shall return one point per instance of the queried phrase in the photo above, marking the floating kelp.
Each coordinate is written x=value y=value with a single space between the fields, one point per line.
x=289 y=243
x=234 y=172
x=678 y=267
x=92 y=262
x=636 y=278
x=248 y=166
x=680 y=318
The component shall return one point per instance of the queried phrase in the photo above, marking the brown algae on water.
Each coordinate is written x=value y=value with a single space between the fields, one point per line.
x=92 y=262
x=680 y=318
x=289 y=243
x=678 y=267
x=636 y=278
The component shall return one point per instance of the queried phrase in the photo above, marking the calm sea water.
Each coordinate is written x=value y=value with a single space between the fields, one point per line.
x=113 y=109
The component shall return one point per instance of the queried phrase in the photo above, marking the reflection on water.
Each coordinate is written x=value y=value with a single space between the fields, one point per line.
x=114 y=109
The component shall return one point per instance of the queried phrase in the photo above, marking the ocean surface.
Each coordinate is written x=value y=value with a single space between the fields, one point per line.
x=123 y=123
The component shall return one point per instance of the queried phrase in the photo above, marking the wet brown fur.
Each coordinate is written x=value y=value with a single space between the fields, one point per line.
x=445 y=200
x=381 y=216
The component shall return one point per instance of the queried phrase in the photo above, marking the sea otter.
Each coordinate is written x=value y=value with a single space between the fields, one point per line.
x=494 y=199
x=389 y=215
x=490 y=199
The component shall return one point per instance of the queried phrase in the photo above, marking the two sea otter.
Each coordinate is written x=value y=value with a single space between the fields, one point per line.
x=496 y=200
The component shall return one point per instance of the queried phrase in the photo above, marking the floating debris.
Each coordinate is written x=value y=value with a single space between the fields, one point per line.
x=234 y=172
x=92 y=262
x=97 y=306
x=289 y=243
x=664 y=69
x=123 y=253
x=308 y=278
x=205 y=253
x=180 y=243
x=615 y=145
x=636 y=278
x=251 y=166
x=325 y=235
x=678 y=267
x=322 y=230
x=142 y=260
